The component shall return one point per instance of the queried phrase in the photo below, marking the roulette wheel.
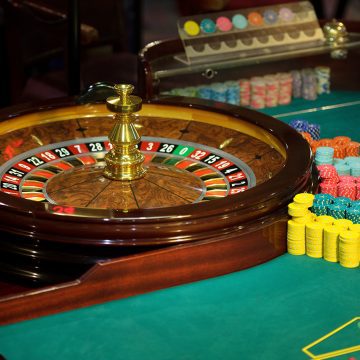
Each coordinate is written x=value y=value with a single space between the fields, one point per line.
x=208 y=183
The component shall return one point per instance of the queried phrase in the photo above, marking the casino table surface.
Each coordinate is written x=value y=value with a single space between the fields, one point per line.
x=270 y=311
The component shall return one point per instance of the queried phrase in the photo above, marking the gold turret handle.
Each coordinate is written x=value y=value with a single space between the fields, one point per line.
x=124 y=161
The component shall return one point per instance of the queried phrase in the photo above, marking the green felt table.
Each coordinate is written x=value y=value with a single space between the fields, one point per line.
x=270 y=311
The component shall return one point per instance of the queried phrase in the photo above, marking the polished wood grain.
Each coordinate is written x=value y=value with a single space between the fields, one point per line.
x=162 y=186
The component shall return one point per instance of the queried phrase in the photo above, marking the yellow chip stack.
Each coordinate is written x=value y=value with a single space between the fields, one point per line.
x=314 y=239
x=343 y=223
x=304 y=219
x=304 y=199
x=331 y=243
x=349 y=248
x=297 y=210
x=325 y=219
x=296 y=238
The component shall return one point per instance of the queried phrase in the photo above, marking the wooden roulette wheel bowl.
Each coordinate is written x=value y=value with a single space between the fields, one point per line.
x=54 y=228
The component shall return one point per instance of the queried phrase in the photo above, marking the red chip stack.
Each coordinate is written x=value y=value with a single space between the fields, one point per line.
x=258 y=92
x=245 y=92
x=285 y=88
x=272 y=90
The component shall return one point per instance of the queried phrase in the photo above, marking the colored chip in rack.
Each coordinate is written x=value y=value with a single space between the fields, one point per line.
x=270 y=16
x=255 y=18
x=239 y=21
x=224 y=24
x=207 y=26
x=191 y=28
x=286 y=14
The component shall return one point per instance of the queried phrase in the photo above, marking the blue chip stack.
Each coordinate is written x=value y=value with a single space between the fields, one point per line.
x=205 y=92
x=321 y=203
x=324 y=155
x=218 y=92
x=232 y=92
x=342 y=200
x=297 y=83
x=353 y=214
x=337 y=211
x=314 y=131
x=343 y=169
x=309 y=84
x=299 y=125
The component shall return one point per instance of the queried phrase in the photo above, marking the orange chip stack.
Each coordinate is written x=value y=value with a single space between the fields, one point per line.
x=341 y=140
x=352 y=148
x=326 y=142
x=339 y=151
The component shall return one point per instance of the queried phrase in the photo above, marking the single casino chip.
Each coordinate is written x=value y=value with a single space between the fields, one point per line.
x=304 y=199
x=343 y=223
x=286 y=14
x=255 y=18
x=191 y=28
x=239 y=21
x=325 y=219
x=207 y=26
x=296 y=209
x=270 y=16
x=224 y=24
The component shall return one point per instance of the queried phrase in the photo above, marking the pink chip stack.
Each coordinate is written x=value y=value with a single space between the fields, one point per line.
x=347 y=187
x=329 y=179
x=285 y=88
x=258 y=92
x=245 y=92
x=272 y=90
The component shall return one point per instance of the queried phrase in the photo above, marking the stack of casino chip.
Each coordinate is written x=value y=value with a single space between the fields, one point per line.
x=285 y=88
x=336 y=240
x=320 y=204
x=218 y=92
x=205 y=92
x=272 y=90
x=258 y=92
x=323 y=79
x=299 y=210
x=309 y=84
x=331 y=241
x=299 y=125
x=296 y=84
x=245 y=92
x=349 y=248
x=314 y=239
x=337 y=211
x=347 y=188
x=324 y=155
x=307 y=129
x=232 y=92
x=295 y=238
